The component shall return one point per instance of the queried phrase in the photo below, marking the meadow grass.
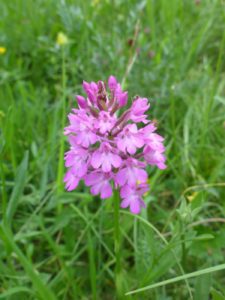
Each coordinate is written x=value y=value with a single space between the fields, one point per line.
x=59 y=245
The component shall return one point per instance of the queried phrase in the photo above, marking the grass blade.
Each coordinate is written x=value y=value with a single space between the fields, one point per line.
x=41 y=288
x=165 y=241
x=179 y=278
x=14 y=290
x=20 y=181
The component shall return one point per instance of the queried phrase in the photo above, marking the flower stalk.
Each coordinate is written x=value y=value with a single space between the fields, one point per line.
x=117 y=243
x=60 y=170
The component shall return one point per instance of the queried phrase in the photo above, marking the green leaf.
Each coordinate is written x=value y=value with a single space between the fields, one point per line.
x=204 y=237
x=42 y=289
x=202 y=287
x=179 y=278
x=14 y=290
x=20 y=181
x=216 y=295
x=164 y=240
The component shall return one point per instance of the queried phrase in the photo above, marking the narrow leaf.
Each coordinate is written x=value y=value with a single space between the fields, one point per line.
x=20 y=181
x=42 y=289
x=179 y=278
x=216 y=295
x=14 y=290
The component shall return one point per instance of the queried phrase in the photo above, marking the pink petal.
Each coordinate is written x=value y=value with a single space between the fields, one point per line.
x=121 y=177
x=86 y=86
x=106 y=190
x=96 y=159
x=138 y=141
x=80 y=169
x=94 y=86
x=161 y=166
x=135 y=206
x=121 y=145
x=126 y=191
x=71 y=181
x=125 y=203
x=116 y=160
x=123 y=99
x=131 y=177
x=82 y=139
x=95 y=189
x=92 y=138
x=133 y=128
x=91 y=96
x=131 y=148
x=81 y=101
x=142 y=175
x=112 y=82
x=91 y=179
x=106 y=166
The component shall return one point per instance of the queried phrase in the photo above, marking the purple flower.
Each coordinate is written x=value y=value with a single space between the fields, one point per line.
x=108 y=147
x=132 y=197
x=99 y=183
x=131 y=173
x=91 y=89
x=82 y=102
x=82 y=124
x=112 y=83
x=154 y=141
x=77 y=160
x=118 y=95
x=71 y=180
x=105 y=158
x=155 y=157
x=130 y=139
x=105 y=122
x=138 y=107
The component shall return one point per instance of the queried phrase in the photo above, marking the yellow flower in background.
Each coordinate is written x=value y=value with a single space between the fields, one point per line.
x=61 y=39
x=192 y=196
x=2 y=50
x=95 y=2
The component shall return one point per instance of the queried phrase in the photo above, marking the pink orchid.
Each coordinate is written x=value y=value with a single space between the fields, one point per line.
x=132 y=197
x=131 y=173
x=105 y=158
x=130 y=139
x=154 y=157
x=138 y=107
x=99 y=183
x=108 y=147
x=77 y=160
x=71 y=180
x=105 y=122
x=117 y=92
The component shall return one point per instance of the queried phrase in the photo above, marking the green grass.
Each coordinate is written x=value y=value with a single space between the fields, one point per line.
x=59 y=245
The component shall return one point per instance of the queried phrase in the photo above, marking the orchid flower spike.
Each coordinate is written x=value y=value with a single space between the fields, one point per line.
x=107 y=147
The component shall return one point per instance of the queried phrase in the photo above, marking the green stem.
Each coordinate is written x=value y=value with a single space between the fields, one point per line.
x=117 y=244
x=184 y=252
x=61 y=149
x=92 y=267
x=183 y=245
x=4 y=195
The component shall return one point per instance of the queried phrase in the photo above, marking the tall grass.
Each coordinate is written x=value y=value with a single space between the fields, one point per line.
x=58 y=245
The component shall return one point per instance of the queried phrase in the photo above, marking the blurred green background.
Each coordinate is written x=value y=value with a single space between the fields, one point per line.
x=58 y=245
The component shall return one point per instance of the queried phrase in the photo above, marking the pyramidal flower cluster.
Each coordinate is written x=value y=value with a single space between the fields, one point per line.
x=109 y=149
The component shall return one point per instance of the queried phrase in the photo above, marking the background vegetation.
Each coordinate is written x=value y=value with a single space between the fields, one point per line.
x=58 y=245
